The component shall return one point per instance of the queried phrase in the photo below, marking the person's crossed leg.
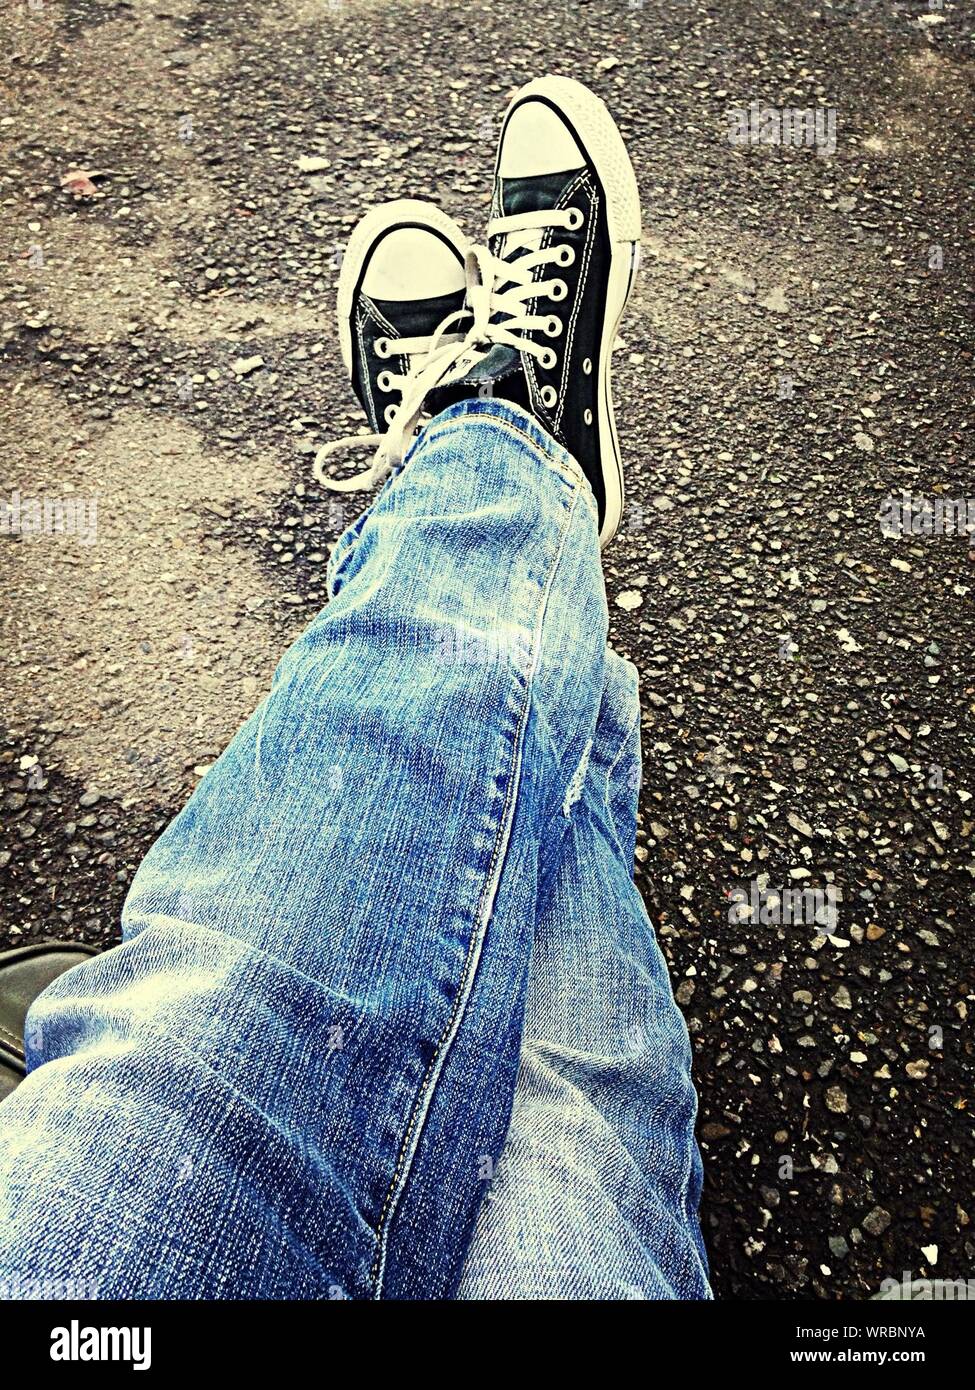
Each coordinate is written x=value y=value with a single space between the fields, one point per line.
x=296 y=1076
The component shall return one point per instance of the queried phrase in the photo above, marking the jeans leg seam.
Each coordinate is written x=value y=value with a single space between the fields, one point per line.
x=481 y=920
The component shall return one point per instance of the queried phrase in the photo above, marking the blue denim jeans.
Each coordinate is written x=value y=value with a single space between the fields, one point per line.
x=597 y=1192
x=294 y=1078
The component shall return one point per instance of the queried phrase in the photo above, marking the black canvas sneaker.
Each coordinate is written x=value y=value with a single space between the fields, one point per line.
x=543 y=302
x=402 y=280
x=563 y=240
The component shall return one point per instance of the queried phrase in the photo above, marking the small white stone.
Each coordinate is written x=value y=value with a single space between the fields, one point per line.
x=243 y=366
x=629 y=599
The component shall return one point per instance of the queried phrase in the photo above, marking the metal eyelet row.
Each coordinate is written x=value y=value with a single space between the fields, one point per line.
x=384 y=380
x=557 y=291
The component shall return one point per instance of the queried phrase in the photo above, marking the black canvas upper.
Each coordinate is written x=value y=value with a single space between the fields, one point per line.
x=373 y=319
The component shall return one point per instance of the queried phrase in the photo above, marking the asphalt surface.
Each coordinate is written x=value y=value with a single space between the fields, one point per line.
x=798 y=349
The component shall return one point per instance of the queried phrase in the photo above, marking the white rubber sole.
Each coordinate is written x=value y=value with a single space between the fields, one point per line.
x=401 y=212
x=597 y=133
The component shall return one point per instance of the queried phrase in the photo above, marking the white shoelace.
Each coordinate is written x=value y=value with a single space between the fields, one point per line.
x=498 y=291
x=419 y=351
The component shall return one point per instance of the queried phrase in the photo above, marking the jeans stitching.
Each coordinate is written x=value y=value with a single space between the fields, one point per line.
x=502 y=839
x=332 y=573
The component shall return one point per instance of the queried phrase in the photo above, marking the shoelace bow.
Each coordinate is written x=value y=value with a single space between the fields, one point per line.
x=498 y=291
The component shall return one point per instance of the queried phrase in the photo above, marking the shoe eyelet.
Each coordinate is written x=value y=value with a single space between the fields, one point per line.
x=381 y=347
x=553 y=326
x=566 y=255
x=557 y=290
x=588 y=417
x=384 y=381
x=587 y=366
x=548 y=359
x=577 y=219
x=389 y=414
x=549 y=396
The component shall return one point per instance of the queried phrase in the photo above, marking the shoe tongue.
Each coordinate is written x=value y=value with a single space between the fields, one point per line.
x=497 y=362
x=497 y=374
x=419 y=318
x=535 y=193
